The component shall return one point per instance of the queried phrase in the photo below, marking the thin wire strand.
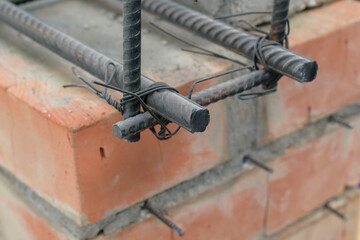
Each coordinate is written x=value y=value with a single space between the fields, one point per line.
x=140 y=96
x=144 y=105
x=251 y=96
x=253 y=27
x=216 y=76
x=242 y=14
x=214 y=54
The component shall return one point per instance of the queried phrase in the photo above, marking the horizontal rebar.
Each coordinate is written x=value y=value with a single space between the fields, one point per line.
x=168 y=104
x=205 y=97
x=278 y=59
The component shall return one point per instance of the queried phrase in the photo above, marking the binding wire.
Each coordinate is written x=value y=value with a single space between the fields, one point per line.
x=140 y=96
x=164 y=133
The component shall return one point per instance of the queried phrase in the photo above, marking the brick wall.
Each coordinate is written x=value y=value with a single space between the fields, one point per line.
x=63 y=175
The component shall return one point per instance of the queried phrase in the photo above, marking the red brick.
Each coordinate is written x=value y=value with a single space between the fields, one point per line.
x=329 y=228
x=233 y=211
x=322 y=224
x=132 y=172
x=287 y=110
x=19 y=222
x=52 y=138
x=329 y=35
x=325 y=225
x=38 y=152
x=305 y=178
x=149 y=229
x=352 y=212
x=354 y=153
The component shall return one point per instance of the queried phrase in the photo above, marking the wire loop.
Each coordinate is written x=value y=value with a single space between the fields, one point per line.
x=140 y=96
x=164 y=133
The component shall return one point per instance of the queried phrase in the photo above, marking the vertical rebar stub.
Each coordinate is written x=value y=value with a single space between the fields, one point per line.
x=279 y=20
x=278 y=33
x=132 y=57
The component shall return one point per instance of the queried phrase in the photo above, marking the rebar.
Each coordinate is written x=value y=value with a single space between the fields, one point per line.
x=205 y=97
x=278 y=59
x=336 y=212
x=168 y=104
x=258 y=163
x=166 y=221
x=341 y=121
x=277 y=33
x=279 y=20
x=132 y=57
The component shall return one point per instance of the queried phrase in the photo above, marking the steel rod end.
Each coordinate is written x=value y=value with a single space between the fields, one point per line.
x=117 y=131
x=181 y=233
x=309 y=71
x=200 y=120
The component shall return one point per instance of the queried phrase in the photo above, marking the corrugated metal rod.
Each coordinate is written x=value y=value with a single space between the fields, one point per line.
x=168 y=104
x=278 y=59
x=279 y=20
x=278 y=29
x=132 y=57
x=205 y=97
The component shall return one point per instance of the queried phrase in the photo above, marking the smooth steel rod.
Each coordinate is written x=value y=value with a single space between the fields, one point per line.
x=168 y=104
x=205 y=97
x=278 y=59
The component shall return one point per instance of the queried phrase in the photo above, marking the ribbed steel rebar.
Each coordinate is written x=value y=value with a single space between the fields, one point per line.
x=278 y=29
x=279 y=20
x=166 y=221
x=205 y=97
x=166 y=103
x=132 y=57
x=279 y=59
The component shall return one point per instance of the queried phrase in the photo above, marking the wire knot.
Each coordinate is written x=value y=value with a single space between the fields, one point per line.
x=140 y=96
x=261 y=43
